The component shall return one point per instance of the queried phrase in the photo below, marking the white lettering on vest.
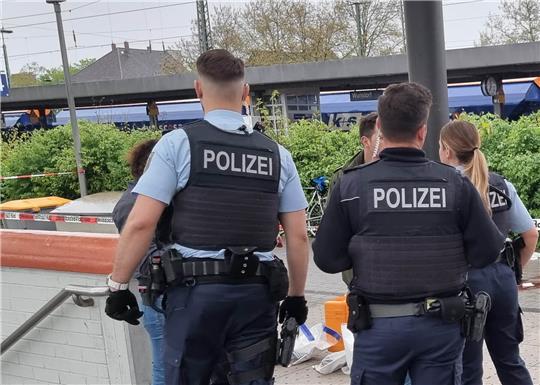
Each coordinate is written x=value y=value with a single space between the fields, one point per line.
x=405 y=205
x=378 y=196
x=497 y=200
x=409 y=198
x=209 y=156
x=223 y=155
x=252 y=159
x=421 y=204
x=396 y=202
x=237 y=162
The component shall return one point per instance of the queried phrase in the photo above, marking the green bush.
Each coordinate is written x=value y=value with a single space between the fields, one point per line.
x=318 y=151
x=103 y=149
x=512 y=149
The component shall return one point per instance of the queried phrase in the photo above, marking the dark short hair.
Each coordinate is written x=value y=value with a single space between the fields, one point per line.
x=220 y=65
x=138 y=156
x=403 y=108
x=367 y=124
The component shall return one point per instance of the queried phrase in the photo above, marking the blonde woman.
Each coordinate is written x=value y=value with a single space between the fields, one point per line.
x=459 y=146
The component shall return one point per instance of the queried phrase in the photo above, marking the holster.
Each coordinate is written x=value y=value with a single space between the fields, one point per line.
x=171 y=263
x=276 y=274
x=508 y=255
x=152 y=282
x=452 y=309
x=359 y=313
x=476 y=315
x=517 y=244
x=242 y=261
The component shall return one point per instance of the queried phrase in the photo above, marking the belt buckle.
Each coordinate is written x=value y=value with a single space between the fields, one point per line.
x=427 y=305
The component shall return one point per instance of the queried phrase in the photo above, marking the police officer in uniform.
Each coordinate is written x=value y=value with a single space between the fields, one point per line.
x=460 y=147
x=227 y=187
x=408 y=227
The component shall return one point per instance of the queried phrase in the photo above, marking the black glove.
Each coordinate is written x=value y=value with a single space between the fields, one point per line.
x=295 y=307
x=122 y=306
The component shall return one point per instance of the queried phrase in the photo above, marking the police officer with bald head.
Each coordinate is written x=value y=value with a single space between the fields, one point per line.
x=226 y=188
x=409 y=228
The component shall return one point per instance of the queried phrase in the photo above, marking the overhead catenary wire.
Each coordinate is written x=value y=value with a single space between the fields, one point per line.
x=103 y=14
x=48 y=13
x=100 y=45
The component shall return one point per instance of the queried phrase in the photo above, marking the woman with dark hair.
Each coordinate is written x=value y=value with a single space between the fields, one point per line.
x=153 y=320
x=459 y=146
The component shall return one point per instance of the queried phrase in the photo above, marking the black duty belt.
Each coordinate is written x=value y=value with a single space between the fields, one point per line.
x=190 y=268
x=397 y=310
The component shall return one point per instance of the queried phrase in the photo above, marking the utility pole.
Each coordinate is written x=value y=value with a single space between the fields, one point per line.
x=359 y=35
x=427 y=62
x=70 y=98
x=203 y=26
x=6 y=61
x=402 y=17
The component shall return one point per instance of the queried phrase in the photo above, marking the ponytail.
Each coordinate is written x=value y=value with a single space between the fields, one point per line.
x=464 y=140
x=478 y=173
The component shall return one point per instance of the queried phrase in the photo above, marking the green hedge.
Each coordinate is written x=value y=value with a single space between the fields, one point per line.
x=104 y=149
x=512 y=148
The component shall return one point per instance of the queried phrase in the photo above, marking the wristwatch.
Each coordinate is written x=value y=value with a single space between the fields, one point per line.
x=115 y=286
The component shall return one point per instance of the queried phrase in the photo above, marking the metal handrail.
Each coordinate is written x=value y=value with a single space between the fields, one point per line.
x=75 y=291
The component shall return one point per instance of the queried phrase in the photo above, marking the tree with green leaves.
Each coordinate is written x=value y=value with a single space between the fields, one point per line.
x=519 y=22
x=33 y=74
x=265 y=32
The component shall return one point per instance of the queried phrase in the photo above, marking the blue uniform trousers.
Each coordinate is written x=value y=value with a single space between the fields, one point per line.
x=428 y=348
x=503 y=331
x=205 y=321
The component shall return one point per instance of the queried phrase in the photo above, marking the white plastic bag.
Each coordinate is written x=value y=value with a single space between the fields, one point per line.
x=313 y=339
x=331 y=363
x=348 y=340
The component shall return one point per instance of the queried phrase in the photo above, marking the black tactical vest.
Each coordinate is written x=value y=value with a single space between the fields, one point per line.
x=231 y=197
x=500 y=202
x=407 y=244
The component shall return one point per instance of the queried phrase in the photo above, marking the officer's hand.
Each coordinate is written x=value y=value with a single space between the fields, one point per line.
x=295 y=307
x=122 y=306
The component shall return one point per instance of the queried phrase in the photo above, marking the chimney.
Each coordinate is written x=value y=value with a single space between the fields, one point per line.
x=113 y=47
x=149 y=48
x=126 y=46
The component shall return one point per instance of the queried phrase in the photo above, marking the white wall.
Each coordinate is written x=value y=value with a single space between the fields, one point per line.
x=74 y=345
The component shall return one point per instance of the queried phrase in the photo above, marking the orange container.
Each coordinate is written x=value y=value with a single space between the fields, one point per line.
x=335 y=313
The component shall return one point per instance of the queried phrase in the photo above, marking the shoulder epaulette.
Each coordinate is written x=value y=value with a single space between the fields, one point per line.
x=360 y=166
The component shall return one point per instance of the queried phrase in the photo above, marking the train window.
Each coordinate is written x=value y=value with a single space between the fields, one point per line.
x=291 y=99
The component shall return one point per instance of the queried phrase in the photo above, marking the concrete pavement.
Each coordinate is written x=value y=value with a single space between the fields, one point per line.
x=322 y=287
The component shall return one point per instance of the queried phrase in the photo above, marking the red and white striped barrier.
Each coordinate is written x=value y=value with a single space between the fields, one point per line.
x=30 y=176
x=17 y=216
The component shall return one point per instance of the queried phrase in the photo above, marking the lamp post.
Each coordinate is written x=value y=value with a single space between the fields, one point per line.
x=424 y=27
x=8 y=73
x=70 y=98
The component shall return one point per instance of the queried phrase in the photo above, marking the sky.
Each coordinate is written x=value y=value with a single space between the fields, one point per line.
x=91 y=26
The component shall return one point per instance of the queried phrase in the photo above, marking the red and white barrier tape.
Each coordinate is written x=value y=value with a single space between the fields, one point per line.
x=30 y=176
x=17 y=216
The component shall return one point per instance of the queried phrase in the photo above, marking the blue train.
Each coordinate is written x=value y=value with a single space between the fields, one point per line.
x=336 y=108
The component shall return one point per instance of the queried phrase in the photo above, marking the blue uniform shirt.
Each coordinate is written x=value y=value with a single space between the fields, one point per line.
x=520 y=219
x=169 y=167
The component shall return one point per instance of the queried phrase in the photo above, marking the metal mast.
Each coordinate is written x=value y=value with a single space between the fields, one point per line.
x=203 y=26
